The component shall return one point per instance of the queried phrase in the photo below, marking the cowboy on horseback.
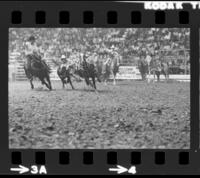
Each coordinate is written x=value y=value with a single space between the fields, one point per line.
x=65 y=66
x=64 y=71
x=85 y=64
x=64 y=62
x=34 y=66
x=32 y=49
x=34 y=52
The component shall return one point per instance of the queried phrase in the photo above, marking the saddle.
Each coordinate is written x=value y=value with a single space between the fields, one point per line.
x=34 y=57
x=39 y=63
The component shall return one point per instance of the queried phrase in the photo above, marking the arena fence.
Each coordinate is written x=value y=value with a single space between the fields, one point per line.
x=15 y=68
x=126 y=72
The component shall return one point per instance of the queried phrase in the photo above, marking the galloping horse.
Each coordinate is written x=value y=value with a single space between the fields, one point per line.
x=37 y=68
x=64 y=73
x=88 y=70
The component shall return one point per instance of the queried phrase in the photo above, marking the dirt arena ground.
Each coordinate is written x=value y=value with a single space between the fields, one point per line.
x=130 y=115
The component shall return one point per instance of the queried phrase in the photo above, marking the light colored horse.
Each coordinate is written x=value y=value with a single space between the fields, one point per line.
x=158 y=68
x=110 y=68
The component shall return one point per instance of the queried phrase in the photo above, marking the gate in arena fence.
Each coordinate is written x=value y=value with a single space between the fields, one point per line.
x=16 y=72
x=179 y=60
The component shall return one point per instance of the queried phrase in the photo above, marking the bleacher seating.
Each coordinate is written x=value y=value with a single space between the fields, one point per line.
x=127 y=42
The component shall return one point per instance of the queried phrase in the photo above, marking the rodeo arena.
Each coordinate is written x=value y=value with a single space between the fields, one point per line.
x=99 y=88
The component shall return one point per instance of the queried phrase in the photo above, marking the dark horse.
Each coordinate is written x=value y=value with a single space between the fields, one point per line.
x=64 y=74
x=37 y=68
x=88 y=71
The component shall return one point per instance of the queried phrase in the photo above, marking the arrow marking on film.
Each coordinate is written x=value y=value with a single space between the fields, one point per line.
x=21 y=169
x=119 y=169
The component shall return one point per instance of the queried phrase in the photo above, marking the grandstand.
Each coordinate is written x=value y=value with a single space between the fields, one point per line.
x=171 y=44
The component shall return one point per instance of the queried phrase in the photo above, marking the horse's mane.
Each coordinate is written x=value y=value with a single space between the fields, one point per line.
x=43 y=64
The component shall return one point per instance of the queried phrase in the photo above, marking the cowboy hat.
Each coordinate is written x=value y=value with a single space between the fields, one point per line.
x=63 y=57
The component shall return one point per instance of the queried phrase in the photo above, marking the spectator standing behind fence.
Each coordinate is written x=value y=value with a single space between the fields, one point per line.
x=148 y=60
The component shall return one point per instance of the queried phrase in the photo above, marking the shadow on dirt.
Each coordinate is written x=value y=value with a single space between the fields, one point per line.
x=85 y=90
x=43 y=89
x=121 y=84
x=70 y=90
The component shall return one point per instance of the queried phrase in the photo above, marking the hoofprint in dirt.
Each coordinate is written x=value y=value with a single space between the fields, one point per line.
x=130 y=115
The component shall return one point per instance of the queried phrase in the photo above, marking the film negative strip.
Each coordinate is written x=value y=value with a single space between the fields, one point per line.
x=99 y=88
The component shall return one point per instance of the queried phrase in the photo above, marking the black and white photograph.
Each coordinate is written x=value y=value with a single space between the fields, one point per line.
x=99 y=88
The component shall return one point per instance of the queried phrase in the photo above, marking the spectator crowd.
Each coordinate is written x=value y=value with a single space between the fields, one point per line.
x=101 y=43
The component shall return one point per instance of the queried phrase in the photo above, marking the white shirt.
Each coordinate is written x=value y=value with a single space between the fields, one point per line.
x=64 y=65
x=31 y=48
x=148 y=59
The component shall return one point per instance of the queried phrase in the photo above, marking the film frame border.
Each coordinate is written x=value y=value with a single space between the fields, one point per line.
x=76 y=157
